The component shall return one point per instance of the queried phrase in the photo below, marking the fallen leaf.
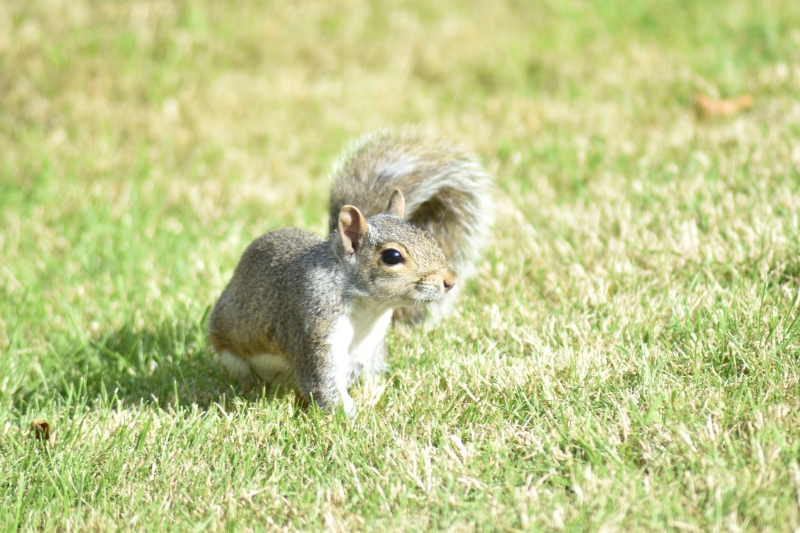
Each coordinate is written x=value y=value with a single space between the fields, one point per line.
x=40 y=429
x=707 y=107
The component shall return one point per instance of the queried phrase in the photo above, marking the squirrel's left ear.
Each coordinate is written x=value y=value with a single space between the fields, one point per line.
x=352 y=229
x=397 y=204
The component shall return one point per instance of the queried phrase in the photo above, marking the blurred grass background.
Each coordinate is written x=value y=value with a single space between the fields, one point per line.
x=626 y=359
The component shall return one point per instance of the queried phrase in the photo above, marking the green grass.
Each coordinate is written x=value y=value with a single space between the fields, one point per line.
x=626 y=359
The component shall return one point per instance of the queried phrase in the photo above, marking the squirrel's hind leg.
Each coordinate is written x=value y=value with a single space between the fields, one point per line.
x=237 y=366
x=269 y=368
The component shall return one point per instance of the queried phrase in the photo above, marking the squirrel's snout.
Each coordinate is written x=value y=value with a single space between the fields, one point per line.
x=449 y=280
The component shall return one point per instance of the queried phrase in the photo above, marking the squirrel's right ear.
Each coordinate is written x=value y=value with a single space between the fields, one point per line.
x=352 y=229
x=397 y=204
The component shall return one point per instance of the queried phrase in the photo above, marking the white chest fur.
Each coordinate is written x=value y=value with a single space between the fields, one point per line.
x=354 y=342
x=357 y=337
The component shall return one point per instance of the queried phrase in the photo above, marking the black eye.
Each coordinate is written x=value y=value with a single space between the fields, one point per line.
x=392 y=257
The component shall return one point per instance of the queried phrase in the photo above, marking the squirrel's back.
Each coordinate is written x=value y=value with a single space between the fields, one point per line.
x=272 y=272
x=447 y=191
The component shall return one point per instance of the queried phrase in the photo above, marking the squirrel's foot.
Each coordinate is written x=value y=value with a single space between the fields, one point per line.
x=235 y=365
x=347 y=403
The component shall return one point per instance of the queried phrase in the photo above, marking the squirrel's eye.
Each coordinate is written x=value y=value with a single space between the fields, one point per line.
x=392 y=257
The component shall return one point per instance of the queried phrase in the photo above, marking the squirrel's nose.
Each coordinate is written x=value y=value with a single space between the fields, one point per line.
x=449 y=280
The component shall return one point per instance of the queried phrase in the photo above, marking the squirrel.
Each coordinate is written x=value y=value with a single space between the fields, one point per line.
x=407 y=211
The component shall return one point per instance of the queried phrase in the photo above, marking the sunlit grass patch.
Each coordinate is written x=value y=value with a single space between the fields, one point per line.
x=625 y=359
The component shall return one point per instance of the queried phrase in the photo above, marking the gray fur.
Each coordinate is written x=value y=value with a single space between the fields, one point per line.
x=446 y=191
x=291 y=289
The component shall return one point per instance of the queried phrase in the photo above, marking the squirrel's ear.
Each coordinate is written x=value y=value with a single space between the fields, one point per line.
x=397 y=204
x=352 y=229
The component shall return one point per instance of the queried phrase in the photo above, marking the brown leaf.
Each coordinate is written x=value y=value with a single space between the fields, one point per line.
x=707 y=107
x=40 y=429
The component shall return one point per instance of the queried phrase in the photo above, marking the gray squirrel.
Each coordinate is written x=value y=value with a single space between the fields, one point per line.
x=407 y=212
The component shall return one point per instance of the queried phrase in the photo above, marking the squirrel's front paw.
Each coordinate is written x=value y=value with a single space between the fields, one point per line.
x=342 y=401
x=348 y=405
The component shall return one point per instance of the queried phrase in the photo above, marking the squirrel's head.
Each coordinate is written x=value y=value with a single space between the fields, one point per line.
x=392 y=260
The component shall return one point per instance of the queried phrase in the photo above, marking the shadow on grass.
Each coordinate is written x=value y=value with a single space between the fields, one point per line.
x=166 y=364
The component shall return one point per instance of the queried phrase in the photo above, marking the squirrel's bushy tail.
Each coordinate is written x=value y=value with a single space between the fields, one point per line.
x=447 y=191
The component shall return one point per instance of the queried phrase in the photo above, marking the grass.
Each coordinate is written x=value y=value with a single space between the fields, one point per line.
x=627 y=358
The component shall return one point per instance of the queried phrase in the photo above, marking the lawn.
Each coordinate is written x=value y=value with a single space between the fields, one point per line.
x=626 y=358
